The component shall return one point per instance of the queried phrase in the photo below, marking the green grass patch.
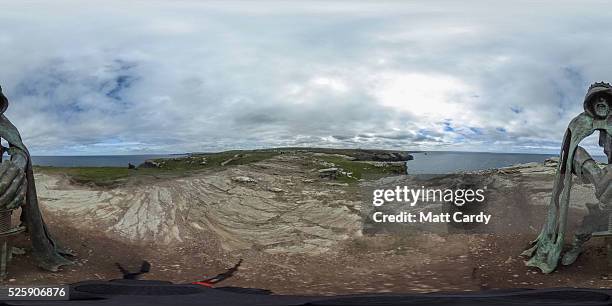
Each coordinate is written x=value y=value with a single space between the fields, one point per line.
x=97 y=176
x=362 y=170
x=213 y=160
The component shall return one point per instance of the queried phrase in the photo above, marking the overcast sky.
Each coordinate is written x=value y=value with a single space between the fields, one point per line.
x=128 y=77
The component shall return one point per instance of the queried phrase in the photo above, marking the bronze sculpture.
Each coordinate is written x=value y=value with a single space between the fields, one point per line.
x=597 y=116
x=17 y=189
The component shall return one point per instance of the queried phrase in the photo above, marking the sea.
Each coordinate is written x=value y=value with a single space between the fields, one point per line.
x=438 y=162
x=96 y=161
x=433 y=162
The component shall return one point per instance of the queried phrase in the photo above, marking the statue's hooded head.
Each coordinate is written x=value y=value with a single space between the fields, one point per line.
x=598 y=100
x=598 y=104
x=3 y=102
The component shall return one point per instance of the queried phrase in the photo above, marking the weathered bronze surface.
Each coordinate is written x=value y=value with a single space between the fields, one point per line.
x=17 y=189
x=597 y=116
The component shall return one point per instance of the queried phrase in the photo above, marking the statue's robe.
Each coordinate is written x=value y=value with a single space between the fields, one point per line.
x=546 y=250
x=44 y=249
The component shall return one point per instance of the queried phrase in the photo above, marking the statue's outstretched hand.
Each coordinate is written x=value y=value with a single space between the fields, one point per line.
x=13 y=185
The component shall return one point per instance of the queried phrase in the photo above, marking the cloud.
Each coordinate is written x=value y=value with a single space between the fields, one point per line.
x=132 y=77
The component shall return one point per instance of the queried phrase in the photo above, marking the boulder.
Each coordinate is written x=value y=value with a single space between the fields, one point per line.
x=150 y=164
x=330 y=173
x=243 y=179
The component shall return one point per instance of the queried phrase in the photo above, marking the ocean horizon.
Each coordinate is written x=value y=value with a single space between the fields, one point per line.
x=424 y=162
x=97 y=161
x=442 y=162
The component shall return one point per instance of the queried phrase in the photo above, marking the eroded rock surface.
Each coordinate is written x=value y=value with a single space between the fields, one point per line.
x=265 y=205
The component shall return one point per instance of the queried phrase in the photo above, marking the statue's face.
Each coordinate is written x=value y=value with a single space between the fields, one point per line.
x=601 y=107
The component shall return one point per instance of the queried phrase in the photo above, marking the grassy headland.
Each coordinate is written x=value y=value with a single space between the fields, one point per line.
x=98 y=176
x=361 y=164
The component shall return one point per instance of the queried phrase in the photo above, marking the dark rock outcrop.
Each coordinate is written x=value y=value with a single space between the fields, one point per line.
x=149 y=164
